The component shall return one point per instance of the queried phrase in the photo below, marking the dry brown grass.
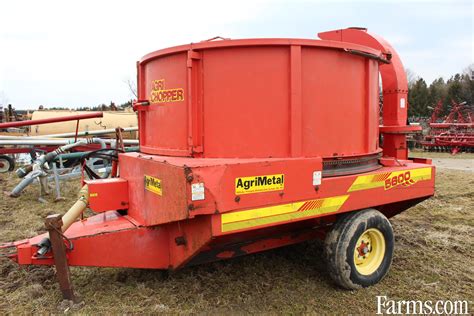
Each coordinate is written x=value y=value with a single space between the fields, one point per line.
x=428 y=154
x=433 y=260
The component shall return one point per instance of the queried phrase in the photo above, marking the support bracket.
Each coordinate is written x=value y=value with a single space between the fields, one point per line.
x=53 y=224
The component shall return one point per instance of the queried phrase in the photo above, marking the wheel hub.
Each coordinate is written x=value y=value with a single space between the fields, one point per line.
x=4 y=165
x=363 y=249
x=369 y=251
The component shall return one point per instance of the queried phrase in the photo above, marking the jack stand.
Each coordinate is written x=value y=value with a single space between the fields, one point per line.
x=43 y=180
x=53 y=225
x=57 y=184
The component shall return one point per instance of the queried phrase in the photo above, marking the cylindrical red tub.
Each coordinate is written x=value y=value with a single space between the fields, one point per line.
x=260 y=98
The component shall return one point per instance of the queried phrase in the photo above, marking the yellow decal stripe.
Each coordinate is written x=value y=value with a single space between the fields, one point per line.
x=421 y=174
x=280 y=213
x=378 y=180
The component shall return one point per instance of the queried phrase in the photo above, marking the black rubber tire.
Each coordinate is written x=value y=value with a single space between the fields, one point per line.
x=9 y=161
x=341 y=241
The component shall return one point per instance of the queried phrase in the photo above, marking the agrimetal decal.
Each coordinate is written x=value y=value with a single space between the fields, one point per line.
x=161 y=95
x=390 y=180
x=256 y=184
x=153 y=184
x=280 y=213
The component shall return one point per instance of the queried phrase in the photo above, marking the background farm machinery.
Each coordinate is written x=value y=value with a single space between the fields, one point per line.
x=453 y=133
x=62 y=155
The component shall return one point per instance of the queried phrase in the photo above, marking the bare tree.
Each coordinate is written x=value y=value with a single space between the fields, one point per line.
x=469 y=70
x=412 y=77
x=132 y=86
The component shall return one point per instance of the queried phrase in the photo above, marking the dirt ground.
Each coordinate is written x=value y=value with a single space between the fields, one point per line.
x=433 y=260
x=461 y=161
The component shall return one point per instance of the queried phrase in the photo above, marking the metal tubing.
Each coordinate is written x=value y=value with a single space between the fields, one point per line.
x=52 y=120
x=57 y=142
x=56 y=181
x=67 y=135
x=87 y=133
x=125 y=141
x=22 y=141
x=26 y=181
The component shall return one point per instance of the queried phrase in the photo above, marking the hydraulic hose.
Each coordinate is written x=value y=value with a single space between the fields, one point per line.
x=76 y=209
x=27 y=180
x=68 y=219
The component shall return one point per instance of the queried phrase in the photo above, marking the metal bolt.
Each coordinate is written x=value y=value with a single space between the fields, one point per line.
x=237 y=199
x=180 y=241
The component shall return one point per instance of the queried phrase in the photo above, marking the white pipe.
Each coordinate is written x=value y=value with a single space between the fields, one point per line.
x=89 y=133
x=53 y=142
x=62 y=135
x=58 y=142
x=125 y=141
x=8 y=137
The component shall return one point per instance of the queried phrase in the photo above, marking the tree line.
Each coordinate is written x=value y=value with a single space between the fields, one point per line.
x=423 y=98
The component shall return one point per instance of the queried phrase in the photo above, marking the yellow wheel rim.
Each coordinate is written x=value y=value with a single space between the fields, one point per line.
x=369 y=251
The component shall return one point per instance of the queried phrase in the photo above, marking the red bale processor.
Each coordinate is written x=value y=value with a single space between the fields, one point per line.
x=248 y=145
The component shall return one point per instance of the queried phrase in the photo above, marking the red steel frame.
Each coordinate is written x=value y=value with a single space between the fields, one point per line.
x=51 y=120
x=183 y=237
x=166 y=229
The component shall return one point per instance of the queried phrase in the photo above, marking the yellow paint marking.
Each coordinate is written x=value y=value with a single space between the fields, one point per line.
x=280 y=213
x=390 y=180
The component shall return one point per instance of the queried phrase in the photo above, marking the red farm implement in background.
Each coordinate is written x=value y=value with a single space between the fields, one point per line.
x=455 y=133
x=44 y=143
x=7 y=163
x=244 y=148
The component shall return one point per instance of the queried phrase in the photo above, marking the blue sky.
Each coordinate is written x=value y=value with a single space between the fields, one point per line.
x=60 y=54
